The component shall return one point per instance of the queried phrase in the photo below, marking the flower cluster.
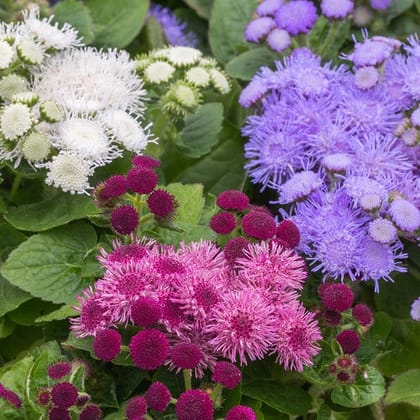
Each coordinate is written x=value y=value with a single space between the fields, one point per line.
x=336 y=146
x=192 y=306
x=182 y=75
x=65 y=108
x=277 y=21
x=175 y=30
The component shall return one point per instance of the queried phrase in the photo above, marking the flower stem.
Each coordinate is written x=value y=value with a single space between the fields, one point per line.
x=15 y=187
x=187 y=378
x=216 y=393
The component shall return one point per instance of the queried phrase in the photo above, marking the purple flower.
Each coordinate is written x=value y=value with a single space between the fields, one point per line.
x=415 y=309
x=334 y=9
x=194 y=404
x=380 y=4
x=296 y=17
x=259 y=28
x=175 y=30
x=158 y=396
x=279 y=40
x=268 y=7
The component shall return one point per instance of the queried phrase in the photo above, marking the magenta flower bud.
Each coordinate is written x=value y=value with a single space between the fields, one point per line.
x=146 y=311
x=223 y=223
x=162 y=204
x=234 y=248
x=336 y=297
x=43 y=397
x=349 y=341
x=58 y=413
x=149 y=349
x=59 y=370
x=362 y=314
x=186 y=355
x=145 y=161
x=232 y=200
x=158 y=396
x=142 y=180
x=64 y=394
x=107 y=345
x=113 y=187
x=194 y=404
x=136 y=408
x=10 y=396
x=288 y=231
x=259 y=224
x=91 y=412
x=332 y=317
x=227 y=374
x=124 y=219
x=241 y=412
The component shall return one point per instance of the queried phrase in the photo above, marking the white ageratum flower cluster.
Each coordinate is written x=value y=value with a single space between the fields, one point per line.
x=181 y=75
x=66 y=107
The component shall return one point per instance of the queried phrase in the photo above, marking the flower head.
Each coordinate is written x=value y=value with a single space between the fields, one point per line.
x=415 y=310
x=59 y=413
x=136 y=408
x=227 y=374
x=288 y=232
x=145 y=311
x=162 y=204
x=299 y=186
x=59 y=370
x=124 y=219
x=382 y=230
x=296 y=17
x=258 y=224
x=337 y=10
x=142 y=180
x=234 y=248
x=158 y=396
x=186 y=355
x=91 y=412
x=223 y=223
x=349 y=341
x=107 y=344
x=362 y=314
x=64 y=394
x=10 y=396
x=15 y=121
x=336 y=297
x=278 y=40
x=194 y=404
x=259 y=28
x=113 y=187
x=232 y=200
x=405 y=215
x=241 y=412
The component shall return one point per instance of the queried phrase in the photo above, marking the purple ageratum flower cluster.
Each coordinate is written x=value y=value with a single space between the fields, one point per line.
x=336 y=146
x=208 y=309
x=176 y=32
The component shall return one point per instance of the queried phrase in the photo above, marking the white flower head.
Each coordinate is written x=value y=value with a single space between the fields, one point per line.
x=198 y=76
x=182 y=56
x=30 y=52
x=370 y=201
x=50 y=35
x=415 y=310
x=185 y=95
x=7 y=55
x=126 y=130
x=88 y=81
x=69 y=172
x=366 y=77
x=158 y=72
x=50 y=111
x=36 y=147
x=87 y=138
x=27 y=98
x=11 y=85
x=337 y=162
x=15 y=121
x=219 y=81
x=411 y=137
x=382 y=230
x=299 y=186
x=405 y=215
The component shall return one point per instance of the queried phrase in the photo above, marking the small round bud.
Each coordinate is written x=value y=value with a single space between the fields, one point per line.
x=349 y=341
x=223 y=223
x=107 y=345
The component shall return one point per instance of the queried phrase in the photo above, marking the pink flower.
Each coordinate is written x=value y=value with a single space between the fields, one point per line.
x=146 y=311
x=186 y=355
x=297 y=334
x=227 y=374
x=232 y=200
x=241 y=412
x=142 y=180
x=145 y=161
x=336 y=297
x=223 y=223
x=158 y=396
x=362 y=314
x=259 y=224
x=162 y=204
x=349 y=341
x=64 y=394
x=194 y=404
x=124 y=219
x=136 y=408
x=59 y=370
x=243 y=324
x=107 y=345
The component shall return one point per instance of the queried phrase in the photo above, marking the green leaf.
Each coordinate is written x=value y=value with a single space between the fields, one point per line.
x=201 y=7
x=10 y=238
x=405 y=389
x=78 y=15
x=368 y=388
x=10 y=296
x=48 y=265
x=117 y=22
x=6 y=327
x=289 y=399
x=201 y=130
x=245 y=65
x=227 y=24
x=51 y=213
x=155 y=38
x=63 y=312
x=29 y=311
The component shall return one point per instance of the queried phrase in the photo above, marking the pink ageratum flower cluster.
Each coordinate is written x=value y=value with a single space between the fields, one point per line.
x=191 y=306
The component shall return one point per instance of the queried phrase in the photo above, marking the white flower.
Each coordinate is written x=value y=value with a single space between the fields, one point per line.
x=50 y=35
x=370 y=202
x=36 y=147
x=126 y=130
x=405 y=215
x=220 y=82
x=15 y=121
x=415 y=310
x=337 y=162
x=182 y=56
x=382 y=230
x=88 y=81
x=415 y=117
x=30 y=52
x=86 y=138
x=7 y=55
x=27 y=98
x=299 y=186
x=366 y=77
x=185 y=95
x=410 y=137
x=158 y=72
x=50 y=111
x=198 y=76
x=69 y=172
x=11 y=85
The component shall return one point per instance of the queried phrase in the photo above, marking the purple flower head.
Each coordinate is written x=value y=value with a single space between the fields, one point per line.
x=415 y=310
x=349 y=341
x=405 y=215
x=278 y=40
x=232 y=200
x=146 y=161
x=366 y=193
x=234 y=248
x=10 y=396
x=59 y=413
x=380 y=4
x=362 y=314
x=186 y=355
x=258 y=224
x=227 y=374
x=142 y=179
x=107 y=344
x=288 y=231
x=194 y=404
x=241 y=412
x=162 y=204
x=336 y=297
x=59 y=370
x=223 y=223
x=296 y=17
x=256 y=88
x=268 y=7
x=64 y=394
x=43 y=397
x=136 y=408
x=91 y=412
x=146 y=311
x=259 y=28
x=124 y=219
x=158 y=396
x=362 y=16
x=334 y=9
x=366 y=77
x=175 y=30
x=113 y=187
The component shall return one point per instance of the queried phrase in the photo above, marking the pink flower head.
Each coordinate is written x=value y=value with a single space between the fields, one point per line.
x=142 y=180
x=149 y=349
x=349 y=341
x=91 y=412
x=223 y=223
x=158 y=396
x=162 y=204
x=113 y=187
x=288 y=232
x=272 y=267
x=332 y=317
x=10 y=396
x=194 y=404
x=203 y=255
x=241 y=412
x=232 y=200
x=145 y=161
x=227 y=374
x=124 y=219
x=186 y=355
x=297 y=333
x=136 y=408
x=64 y=394
x=243 y=325
x=259 y=225
x=146 y=311
x=43 y=397
x=336 y=297
x=107 y=345
x=59 y=413
x=82 y=400
x=234 y=248
x=59 y=370
x=362 y=314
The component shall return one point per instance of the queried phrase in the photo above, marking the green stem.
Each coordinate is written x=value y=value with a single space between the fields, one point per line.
x=329 y=40
x=187 y=378
x=173 y=400
x=15 y=187
x=216 y=393
x=160 y=125
x=144 y=219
